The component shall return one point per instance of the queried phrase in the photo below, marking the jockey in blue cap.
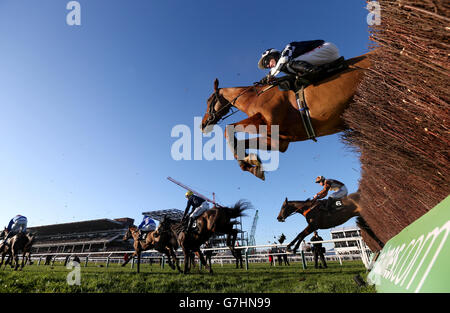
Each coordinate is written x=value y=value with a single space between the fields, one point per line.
x=147 y=225
x=18 y=224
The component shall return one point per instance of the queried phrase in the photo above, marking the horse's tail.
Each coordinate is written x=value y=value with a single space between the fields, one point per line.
x=238 y=209
x=365 y=229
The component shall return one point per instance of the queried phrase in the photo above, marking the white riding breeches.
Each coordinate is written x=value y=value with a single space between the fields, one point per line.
x=199 y=210
x=149 y=227
x=341 y=193
x=326 y=53
x=19 y=226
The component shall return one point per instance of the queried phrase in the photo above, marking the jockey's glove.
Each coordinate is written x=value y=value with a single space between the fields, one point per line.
x=267 y=80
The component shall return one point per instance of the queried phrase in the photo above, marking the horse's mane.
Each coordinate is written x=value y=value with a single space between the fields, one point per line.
x=168 y=224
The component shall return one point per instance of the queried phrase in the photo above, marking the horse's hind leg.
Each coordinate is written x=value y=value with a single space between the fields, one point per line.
x=186 y=261
x=169 y=258
x=202 y=259
x=16 y=261
x=175 y=260
x=9 y=261
x=23 y=260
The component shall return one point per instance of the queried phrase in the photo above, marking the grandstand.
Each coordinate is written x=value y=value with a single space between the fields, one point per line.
x=173 y=214
x=85 y=236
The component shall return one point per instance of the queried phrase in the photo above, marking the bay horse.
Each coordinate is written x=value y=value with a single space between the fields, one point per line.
x=165 y=244
x=269 y=107
x=20 y=243
x=317 y=216
x=217 y=220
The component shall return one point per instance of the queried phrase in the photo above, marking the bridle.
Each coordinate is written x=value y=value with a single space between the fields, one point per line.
x=217 y=98
x=297 y=210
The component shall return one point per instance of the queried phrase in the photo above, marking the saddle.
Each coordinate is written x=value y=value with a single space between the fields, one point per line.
x=192 y=228
x=336 y=204
x=299 y=83
x=322 y=72
x=327 y=206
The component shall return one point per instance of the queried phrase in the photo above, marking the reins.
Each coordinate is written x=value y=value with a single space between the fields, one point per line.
x=213 y=113
x=304 y=213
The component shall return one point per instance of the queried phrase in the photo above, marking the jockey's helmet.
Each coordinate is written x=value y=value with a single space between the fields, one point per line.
x=266 y=56
x=320 y=179
x=188 y=194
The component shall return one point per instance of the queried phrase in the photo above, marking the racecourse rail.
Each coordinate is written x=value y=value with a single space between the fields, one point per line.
x=107 y=257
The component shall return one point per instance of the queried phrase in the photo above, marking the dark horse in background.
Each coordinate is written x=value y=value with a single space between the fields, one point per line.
x=319 y=217
x=217 y=220
x=165 y=243
x=19 y=244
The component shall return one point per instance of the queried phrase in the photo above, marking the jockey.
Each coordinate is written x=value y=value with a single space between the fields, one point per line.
x=147 y=225
x=340 y=191
x=18 y=224
x=298 y=57
x=198 y=205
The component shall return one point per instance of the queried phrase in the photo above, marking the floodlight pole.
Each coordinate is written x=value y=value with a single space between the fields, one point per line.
x=195 y=192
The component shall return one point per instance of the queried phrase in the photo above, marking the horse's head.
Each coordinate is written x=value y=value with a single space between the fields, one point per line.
x=216 y=108
x=129 y=233
x=288 y=208
x=3 y=233
x=285 y=211
x=162 y=226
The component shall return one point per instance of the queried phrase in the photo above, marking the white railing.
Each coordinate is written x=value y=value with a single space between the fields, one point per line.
x=108 y=257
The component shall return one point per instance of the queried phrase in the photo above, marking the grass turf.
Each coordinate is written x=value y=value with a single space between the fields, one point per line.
x=259 y=278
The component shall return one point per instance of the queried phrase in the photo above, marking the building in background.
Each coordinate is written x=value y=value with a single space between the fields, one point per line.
x=85 y=236
x=350 y=246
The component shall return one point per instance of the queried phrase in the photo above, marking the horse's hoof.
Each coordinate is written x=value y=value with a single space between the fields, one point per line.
x=258 y=172
x=252 y=159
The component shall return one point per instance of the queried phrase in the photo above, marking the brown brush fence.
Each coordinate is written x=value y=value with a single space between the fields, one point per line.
x=400 y=120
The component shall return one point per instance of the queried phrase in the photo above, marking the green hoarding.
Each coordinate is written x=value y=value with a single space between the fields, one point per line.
x=418 y=258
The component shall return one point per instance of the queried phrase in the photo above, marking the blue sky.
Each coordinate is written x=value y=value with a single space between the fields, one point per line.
x=86 y=112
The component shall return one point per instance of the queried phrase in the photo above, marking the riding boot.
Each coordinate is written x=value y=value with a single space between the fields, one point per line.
x=191 y=221
x=302 y=67
x=330 y=206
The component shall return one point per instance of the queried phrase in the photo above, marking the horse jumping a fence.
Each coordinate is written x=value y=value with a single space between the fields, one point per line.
x=269 y=107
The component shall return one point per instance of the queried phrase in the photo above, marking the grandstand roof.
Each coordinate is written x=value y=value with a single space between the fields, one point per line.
x=81 y=227
x=342 y=229
x=158 y=215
